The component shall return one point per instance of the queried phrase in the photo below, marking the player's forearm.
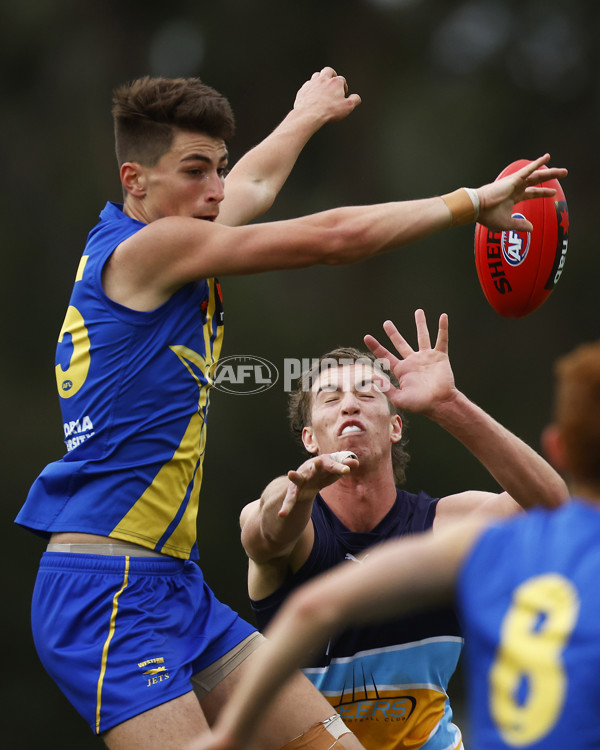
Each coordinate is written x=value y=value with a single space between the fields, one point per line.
x=517 y=468
x=360 y=232
x=337 y=236
x=268 y=534
x=271 y=161
x=264 y=169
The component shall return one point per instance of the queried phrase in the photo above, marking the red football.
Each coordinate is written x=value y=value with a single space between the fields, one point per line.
x=518 y=270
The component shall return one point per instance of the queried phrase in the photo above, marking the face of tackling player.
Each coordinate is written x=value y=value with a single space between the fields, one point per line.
x=350 y=411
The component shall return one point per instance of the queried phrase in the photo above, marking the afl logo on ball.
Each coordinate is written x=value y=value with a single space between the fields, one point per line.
x=515 y=244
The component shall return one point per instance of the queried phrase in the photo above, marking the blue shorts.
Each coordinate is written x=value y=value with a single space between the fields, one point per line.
x=120 y=635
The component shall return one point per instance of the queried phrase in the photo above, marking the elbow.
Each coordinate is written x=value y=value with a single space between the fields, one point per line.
x=304 y=606
x=267 y=199
x=561 y=493
x=552 y=493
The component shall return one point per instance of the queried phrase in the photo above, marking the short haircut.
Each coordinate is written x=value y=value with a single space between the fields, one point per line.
x=577 y=410
x=147 y=111
x=301 y=399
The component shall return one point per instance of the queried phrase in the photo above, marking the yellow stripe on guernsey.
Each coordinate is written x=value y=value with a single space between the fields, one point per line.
x=111 y=632
x=152 y=514
x=81 y=267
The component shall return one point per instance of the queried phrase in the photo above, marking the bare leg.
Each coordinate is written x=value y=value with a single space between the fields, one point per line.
x=179 y=723
x=296 y=709
x=175 y=724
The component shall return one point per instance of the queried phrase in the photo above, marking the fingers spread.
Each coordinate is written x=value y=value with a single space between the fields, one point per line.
x=538 y=192
x=528 y=169
x=422 y=331
x=441 y=343
x=397 y=339
x=374 y=346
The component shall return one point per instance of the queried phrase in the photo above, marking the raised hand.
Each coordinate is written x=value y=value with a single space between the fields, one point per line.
x=325 y=95
x=424 y=376
x=314 y=474
x=497 y=200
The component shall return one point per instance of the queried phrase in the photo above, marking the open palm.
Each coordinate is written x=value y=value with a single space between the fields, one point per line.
x=425 y=377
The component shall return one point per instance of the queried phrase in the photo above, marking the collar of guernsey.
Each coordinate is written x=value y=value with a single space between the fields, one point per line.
x=134 y=391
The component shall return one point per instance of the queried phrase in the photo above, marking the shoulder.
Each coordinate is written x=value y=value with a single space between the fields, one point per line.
x=166 y=237
x=248 y=512
x=488 y=505
x=415 y=510
x=153 y=261
x=112 y=228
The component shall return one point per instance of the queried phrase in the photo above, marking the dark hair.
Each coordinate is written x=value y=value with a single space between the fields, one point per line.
x=577 y=410
x=300 y=401
x=146 y=112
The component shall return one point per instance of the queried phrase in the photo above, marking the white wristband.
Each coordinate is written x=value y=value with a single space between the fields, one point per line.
x=474 y=196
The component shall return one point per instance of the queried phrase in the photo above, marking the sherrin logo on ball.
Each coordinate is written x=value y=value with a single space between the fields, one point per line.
x=518 y=270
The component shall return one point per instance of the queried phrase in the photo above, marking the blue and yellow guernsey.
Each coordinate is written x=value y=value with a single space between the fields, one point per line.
x=532 y=629
x=134 y=395
x=388 y=681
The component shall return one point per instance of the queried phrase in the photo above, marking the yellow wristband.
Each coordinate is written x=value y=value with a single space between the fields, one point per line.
x=461 y=206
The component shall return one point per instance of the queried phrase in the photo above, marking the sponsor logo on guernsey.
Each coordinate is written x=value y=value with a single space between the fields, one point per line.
x=375 y=707
x=244 y=375
x=515 y=244
x=156 y=671
x=78 y=431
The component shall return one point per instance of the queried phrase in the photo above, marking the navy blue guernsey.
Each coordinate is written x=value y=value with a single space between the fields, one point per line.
x=388 y=681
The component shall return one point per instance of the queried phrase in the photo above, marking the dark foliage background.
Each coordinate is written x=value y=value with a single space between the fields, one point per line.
x=452 y=92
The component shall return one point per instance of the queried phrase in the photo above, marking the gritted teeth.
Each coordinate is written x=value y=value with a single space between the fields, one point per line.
x=350 y=428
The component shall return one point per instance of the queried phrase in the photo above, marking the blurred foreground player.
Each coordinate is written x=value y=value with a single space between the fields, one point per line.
x=526 y=589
